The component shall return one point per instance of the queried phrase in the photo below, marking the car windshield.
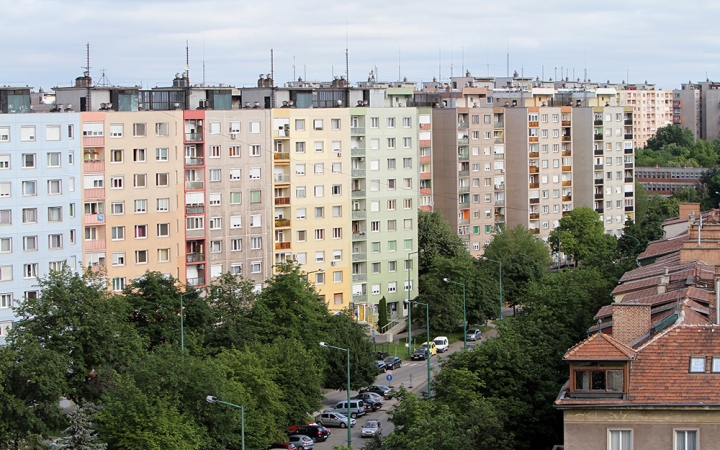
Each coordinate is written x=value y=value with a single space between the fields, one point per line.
x=371 y=424
x=438 y=341
x=383 y=387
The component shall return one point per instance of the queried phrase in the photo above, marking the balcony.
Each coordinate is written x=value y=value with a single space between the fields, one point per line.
x=629 y=151
x=463 y=189
x=498 y=139
x=197 y=161
x=598 y=196
x=357 y=193
x=463 y=125
x=281 y=134
x=282 y=200
x=499 y=218
x=464 y=205
x=196 y=257
x=534 y=169
x=94 y=193
x=194 y=185
x=463 y=173
x=500 y=202
x=628 y=136
x=533 y=138
x=628 y=165
x=425 y=175
x=359 y=256
x=357 y=151
x=425 y=191
x=567 y=168
x=534 y=124
x=97 y=244
x=359 y=277
x=534 y=216
x=281 y=223
x=282 y=245
x=94 y=219
x=566 y=123
x=567 y=183
x=196 y=281
x=357 y=130
x=534 y=185
x=359 y=236
x=193 y=137
x=534 y=154
x=357 y=173
x=567 y=153
x=629 y=179
x=463 y=156
x=567 y=198
x=598 y=151
x=425 y=159
x=534 y=201
x=500 y=187
x=566 y=138
x=93 y=141
x=598 y=137
x=282 y=178
x=499 y=124
x=195 y=233
x=598 y=181
x=597 y=122
x=629 y=194
x=94 y=166
x=628 y=208
x=194 y=209
x=281 y=156
x=357 y=215
x=424 y=126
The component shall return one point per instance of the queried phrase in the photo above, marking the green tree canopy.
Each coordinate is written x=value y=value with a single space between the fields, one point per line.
x=436 y=238
x=582 y=235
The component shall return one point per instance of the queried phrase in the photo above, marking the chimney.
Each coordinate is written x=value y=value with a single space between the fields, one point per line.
x=689 y=209
x=664 y=281
x=630 y=321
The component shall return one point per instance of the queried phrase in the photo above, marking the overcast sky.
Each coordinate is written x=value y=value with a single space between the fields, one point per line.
x=667 y=42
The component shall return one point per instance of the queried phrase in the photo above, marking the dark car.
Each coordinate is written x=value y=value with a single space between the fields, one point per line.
x=315 y=432
x=375 y=401
x=419 y=354
x=393 y=362
x=285 y=445
x=382 y=355
x=383 y=390
x=381 y=367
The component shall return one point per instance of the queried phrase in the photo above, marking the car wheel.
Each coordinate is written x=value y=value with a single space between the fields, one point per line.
x=343 y=425
x=353 y=415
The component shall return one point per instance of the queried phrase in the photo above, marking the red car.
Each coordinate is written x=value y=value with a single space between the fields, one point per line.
x=285 y=445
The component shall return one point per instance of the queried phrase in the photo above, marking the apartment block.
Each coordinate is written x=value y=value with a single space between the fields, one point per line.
x=40 y=197
x=652 y=109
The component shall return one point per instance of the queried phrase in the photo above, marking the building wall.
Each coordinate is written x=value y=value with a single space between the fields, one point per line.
x=26 y=253
x=651 y=428
x=652 y=109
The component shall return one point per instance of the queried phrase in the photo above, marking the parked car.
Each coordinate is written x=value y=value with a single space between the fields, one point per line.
x=333 y=419
x=376 y=401
x=381 y=366
x=357 y=408
x=470 y=346
x=316 y=432
x=474 y=335
x=382 y=355
x=284 y=445
x=419 y=354
x=381 y=389
x=393 y=362
x=442 y=344
x=371 y=428
x=431 y=346
x=302 y=442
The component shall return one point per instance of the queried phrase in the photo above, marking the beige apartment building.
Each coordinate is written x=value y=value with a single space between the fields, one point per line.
x=651 y=109
x=132 y=180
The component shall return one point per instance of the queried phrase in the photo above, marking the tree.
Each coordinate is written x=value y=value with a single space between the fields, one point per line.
x=669 y=135
x=524 y=259
x=344 y=332
x=709 y=188
x=231 y=299
x=436 y=238
x=80 y=435
x=582 y=235
x=382 y=314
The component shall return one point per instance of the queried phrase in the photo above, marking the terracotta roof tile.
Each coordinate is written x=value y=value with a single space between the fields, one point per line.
x=600 y=347
x=636 y=285
x=664 y=246
x=605 y=311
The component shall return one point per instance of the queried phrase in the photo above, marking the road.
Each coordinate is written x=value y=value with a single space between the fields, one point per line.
x=400 y=377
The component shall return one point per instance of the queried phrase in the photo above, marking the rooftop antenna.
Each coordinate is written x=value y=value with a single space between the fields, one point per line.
x=203 y=80
x=294 y=69
x=272 y=79
x=585 y=72
x=104 y=80
x=347 y=54
x=187 y=73
x=88 y=104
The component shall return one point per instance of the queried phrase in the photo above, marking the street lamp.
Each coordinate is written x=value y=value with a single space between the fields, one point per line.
x=427 y=342
x=182 y=323
x=349 y=437
x=213 y=399
x=409 y=339
x=501 y=296
x=464 y=310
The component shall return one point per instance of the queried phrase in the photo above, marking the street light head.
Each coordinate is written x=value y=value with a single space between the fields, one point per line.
x=323 y=344
x=446 y=280
x=211 y=399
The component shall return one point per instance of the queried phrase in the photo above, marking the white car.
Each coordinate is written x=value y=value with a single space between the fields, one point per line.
x=442 y=344
x=371 y=428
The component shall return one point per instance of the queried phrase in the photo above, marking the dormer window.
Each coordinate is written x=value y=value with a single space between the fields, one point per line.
x=598 y=379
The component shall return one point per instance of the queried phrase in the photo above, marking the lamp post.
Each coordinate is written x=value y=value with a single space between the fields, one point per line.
x=501 y=296
x=427 y=342
x=182 y=324
x=213 y=399
x=409 y=338
x=447 y=280
x=347 y=350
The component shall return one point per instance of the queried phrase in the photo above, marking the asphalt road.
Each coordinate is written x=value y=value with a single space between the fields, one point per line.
x=412 y=375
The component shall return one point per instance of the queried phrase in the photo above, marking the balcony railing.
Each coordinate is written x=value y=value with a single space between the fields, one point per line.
x=599 y=210
x=463 y=221
x=357 y=173
x=629 y=194
x=463 y=125
x=94 y=193
x=282 y=245
x=357 y=215
x=533 y=138
x=425 y=159
x=279 y=223
x=464 y=205
x=598 y=181
x=628 y=122
x=357 y=151
x=195 y=209
x=534 y=124
x=195 y=233
x=534 y=201
x=628 y=151
x=97 y=244
x=463 y=189
x=359 y=236
x=193 y=137
x=195 y=257
x=598 y=196
x=94 y=166
x=499 y=218
x=359 y=256
x=535 y=230
x=282 y=200
x=281 y=134
x=463 y=173
x=628 y=165
x=94 y=219
x=425 y=191
x=598 y=137
x=93 y=141
x=357 y=130
x=500 y=187
x=194 y=185
x=598 y=151
x=598 y=166
x=500 y=202
x=281 y=156
x=628 y=136
x=534 y=154
x=567 y=183
x=499 y=124
x=628 y=208
x=425 y=175
x=534 y=216
x=629 y=179
x=567 y=153
x=282 y=177
x=566 y=138
x=534 y=185
x=359 y=277
x=566 y=168
x=598 y=122
x=498 y=139
x=357 y=193
x=566 y=123
x=463 y=156
x=463 y=141
x=425 y=143
x=567 y=198
x=196 y=281
x=534 y=169
x=197 y=161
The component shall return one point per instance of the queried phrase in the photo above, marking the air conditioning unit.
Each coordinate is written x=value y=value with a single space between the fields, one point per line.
x=233 y=135
x=339 y=154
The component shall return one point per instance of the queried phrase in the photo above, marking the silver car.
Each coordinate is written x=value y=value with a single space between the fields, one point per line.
x=302 y=441
x=371 y=428
x=333 y=419
x=474 y=335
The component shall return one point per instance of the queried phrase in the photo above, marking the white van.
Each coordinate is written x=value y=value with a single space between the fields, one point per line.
x=442 y=344
x=357 y=408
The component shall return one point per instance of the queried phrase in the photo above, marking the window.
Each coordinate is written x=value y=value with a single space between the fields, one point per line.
x=301 y=235
x=391 y=122
x=392 y=246
x=254 y=196
x=236 y=245
x=215 y=199
x=318 y=146
x=163 y=255
x=235 y=151
x=5 y=245
x=30 y=243
x=392 y=287
x=235 y=221
x=215 y=246
x=30 y=270
x=141 y=257
x=6 y=301
x=407 y=163
x=299 y=124
x=214 y=175
x=337 y=211
x=216 y=223
x=6 y=273
x=53 y=159
x=392 y=225
x=28 y=160
x=255 y=150
x=161 y=129
x=334 y=124
x=319 y=191
x=236 y=174
x=320 y=234
x=300 y=213
x=300 y=147
x=5 y=189
x=407 y=142
x=139 y=155
x=161 y=154
x=686 y=440
x=139 y=130
x=29 y=188
x=375 y=226
x=27 y=133
x=118 y=233
x=140 y=206
x=163 y=229
x=319 y=256
x=140 y=231
x=255 y=220
x=390 y=142
x=319 y=212
x=336 y=189
x=140 y=180
x=300 y=192
x=697 y=364
x=163 y=205
x=337 y=233
x=4 y=134
x=620 y=439
x=407 y=203
x=161 y=179
x=215 y=151
x=236 y=198
x=118 y=284
x=54 y=187
x=317 y=124
x=254 y=173
x=319 y=278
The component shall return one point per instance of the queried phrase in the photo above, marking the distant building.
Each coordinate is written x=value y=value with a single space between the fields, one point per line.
x=665 y=181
